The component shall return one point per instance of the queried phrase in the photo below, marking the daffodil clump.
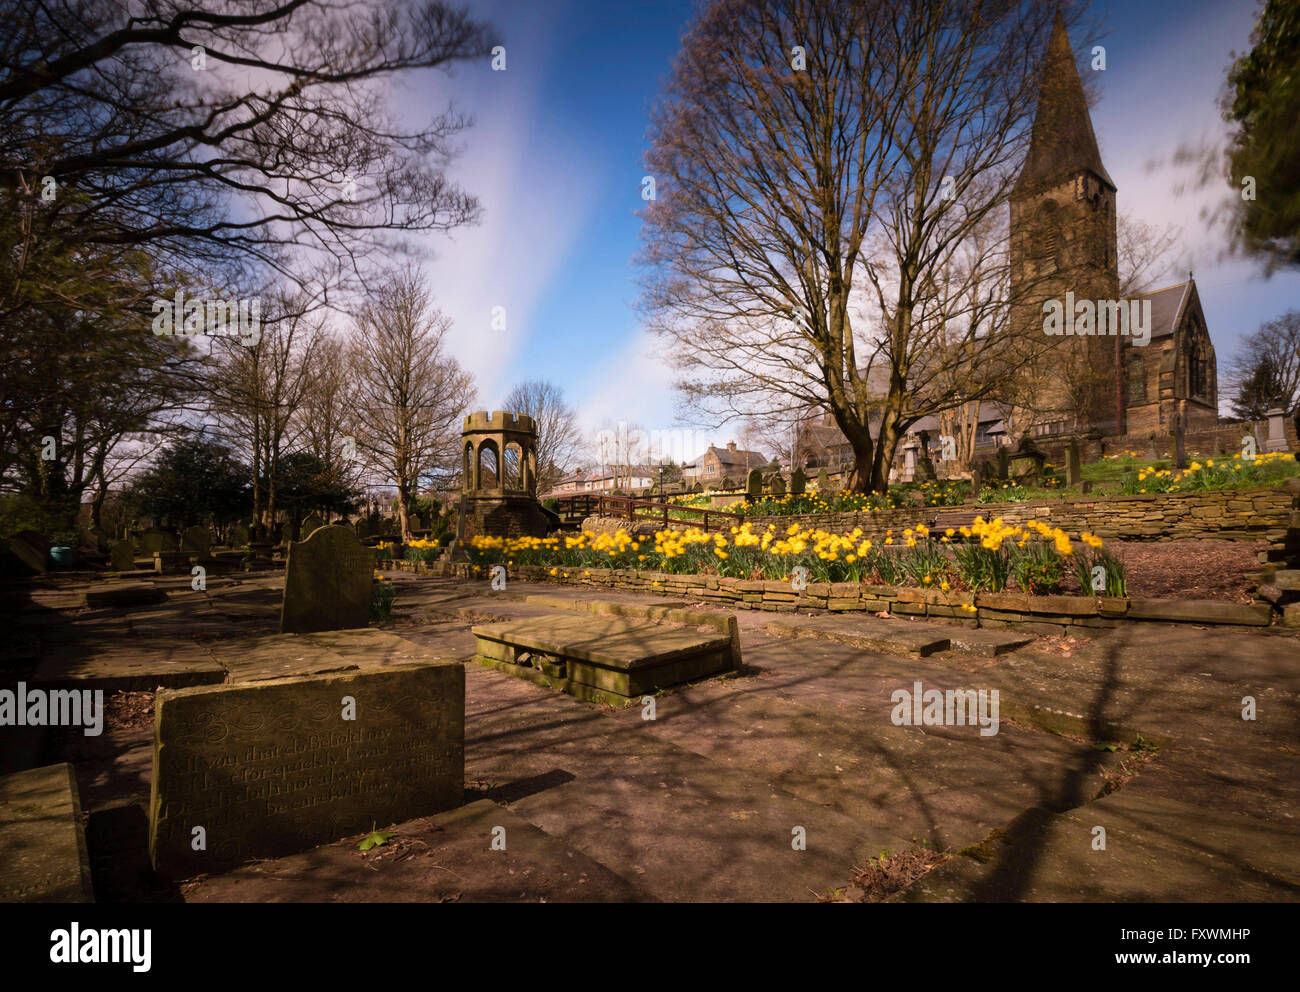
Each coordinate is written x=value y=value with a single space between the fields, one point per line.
x=384 y=551
x=422 y=549
x=1225 y=472
x=984 y=556
x=382 y=593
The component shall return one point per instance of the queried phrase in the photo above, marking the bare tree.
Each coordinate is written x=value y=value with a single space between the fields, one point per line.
x=410 y=394
x=1266 y=370
x=325 y=418
x=558 y=436
x=814 y=157
x=256 y=391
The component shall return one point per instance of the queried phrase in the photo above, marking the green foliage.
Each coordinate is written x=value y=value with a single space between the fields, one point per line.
x=192 y=481
x=382 y=595
x=1263 y=100
x=376 y=838
x=1038 y=567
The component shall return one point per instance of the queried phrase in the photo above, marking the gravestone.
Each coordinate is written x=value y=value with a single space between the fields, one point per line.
x=1151 y=454
x=823 y=481
x=923 y=462
x=239 y=536
x=311 y=524
x=327 y=583
x=1073 y=470
x=274 y=767
x=32 y=549
x=154 y=540
x=196 y=541
x=1177 y=435
x=363 y=528
x=1004 y=462
x=122 y=556
x=286 y=533
x=1276 y=430
x=976 y=480
x=798 y=482
x=778 y=484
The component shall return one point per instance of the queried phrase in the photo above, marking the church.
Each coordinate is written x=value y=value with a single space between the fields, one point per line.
x=1064 y=240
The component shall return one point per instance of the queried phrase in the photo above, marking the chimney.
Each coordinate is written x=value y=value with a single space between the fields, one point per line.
x=731 y=445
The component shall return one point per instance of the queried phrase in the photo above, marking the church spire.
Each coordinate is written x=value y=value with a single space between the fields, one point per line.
x=1063 y=142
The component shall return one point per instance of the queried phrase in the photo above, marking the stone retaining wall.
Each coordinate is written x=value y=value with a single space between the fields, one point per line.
x=1231 y=515
x=1035 y=614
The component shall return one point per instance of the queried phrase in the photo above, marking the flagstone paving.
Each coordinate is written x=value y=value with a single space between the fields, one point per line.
x=708 y=800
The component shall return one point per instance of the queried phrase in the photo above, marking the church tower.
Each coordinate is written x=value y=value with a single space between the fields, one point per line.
x=1063 y=239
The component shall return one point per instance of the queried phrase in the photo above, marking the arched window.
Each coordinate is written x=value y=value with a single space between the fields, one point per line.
x=488 y=465
x=1137 y=379
x=511 y=468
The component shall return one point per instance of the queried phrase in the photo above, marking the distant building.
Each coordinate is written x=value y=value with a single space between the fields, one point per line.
x=717 y=464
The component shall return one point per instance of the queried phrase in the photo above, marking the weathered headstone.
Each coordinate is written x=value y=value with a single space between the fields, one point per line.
x=1151 y=454
x=1177 y=434
x=363 y=528
x=823 y=481
x=798 y=482
x=196 y=541
x=98 y=538
x=976 y=480
x=311 y=524
x=239 y=536
x=924 y=463
x=1073 y=470
x=154 y=540
x=1276 y=430
x=778 y=484
x=1004 y=462
x=286 y=533
x=327 y=583
x=273 y=767
x=122 y=556
x=32 y=549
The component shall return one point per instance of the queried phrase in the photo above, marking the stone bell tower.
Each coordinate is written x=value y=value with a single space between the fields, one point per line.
x=499 y=473
x=1063 y=239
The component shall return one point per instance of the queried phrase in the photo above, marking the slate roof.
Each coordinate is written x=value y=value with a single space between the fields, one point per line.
x=1063 y=142
x=1166 y=305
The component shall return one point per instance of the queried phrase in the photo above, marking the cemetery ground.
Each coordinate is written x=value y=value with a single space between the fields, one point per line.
x=1137 y=730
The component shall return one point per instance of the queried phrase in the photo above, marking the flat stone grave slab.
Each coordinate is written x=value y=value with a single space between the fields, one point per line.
x=273 y=656
x=609 y=658
x=42 y=843
x=106 y=594
x=263 y=769
x=120 y=664
x=871 y=633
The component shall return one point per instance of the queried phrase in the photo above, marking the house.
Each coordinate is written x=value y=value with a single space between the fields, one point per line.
x=716 y=464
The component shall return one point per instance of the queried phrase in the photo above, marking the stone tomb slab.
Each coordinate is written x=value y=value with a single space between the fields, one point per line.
x=327 y=583
x=109 y=594
x=611 y=659
x=272 y=768
x=42 y=843
x=868 y=632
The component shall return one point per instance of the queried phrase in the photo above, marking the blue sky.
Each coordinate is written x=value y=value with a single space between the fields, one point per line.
x=555 y=155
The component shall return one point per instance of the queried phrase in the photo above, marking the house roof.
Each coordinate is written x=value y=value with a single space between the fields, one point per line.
x=740 y=456
x=1062 y=142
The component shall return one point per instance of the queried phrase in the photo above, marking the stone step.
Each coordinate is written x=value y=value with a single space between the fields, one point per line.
x=42 y=843
x=870 y=632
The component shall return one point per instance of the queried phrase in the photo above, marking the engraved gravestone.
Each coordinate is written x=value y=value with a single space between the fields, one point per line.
x=327 y=583
x=311 y=525
x=239 y=536
x=122 y=556
x=154 y=540
x=274 y=767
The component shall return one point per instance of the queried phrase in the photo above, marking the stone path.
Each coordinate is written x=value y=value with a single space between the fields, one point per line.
x=703 y=801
